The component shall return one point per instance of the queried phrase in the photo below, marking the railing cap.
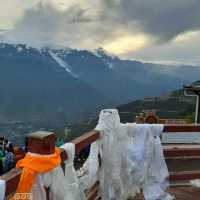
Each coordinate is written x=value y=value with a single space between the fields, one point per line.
x=41 y=135
x=41 y=142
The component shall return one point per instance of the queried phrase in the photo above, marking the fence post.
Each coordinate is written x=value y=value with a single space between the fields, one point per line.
x=42 y=142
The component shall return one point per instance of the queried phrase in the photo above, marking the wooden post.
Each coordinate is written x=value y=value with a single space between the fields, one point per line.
x=42 y=142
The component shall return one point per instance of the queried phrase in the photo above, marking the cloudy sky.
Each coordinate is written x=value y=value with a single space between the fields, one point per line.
x=150 y=30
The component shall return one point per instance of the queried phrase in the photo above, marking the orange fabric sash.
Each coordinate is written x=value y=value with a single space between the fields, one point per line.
x=32 y=166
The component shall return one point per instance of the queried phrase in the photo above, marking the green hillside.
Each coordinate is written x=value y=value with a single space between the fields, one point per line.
x=174 y=105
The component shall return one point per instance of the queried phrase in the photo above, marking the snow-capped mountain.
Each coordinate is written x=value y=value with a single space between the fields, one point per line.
x=125 y=80
x=35 y=86
x=66 y=85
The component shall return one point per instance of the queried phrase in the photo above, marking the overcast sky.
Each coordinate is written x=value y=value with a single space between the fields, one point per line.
x=150 y=30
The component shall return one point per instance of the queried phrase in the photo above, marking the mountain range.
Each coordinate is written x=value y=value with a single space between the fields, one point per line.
x=64 y=86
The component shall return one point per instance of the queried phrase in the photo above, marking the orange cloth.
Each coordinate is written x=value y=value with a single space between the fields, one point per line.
x=32 y=166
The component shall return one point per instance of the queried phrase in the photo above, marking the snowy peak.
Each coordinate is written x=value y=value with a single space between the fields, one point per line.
x=62 y=63
x=61 y=56
x=100 y=52
x=63 y=52
x=17 y=47
x=22 y=50
x=106 y=57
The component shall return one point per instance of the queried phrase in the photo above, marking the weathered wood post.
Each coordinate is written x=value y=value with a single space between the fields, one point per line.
x=43 y=143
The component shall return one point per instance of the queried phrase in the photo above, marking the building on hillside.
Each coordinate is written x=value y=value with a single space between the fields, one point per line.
x=150 y=117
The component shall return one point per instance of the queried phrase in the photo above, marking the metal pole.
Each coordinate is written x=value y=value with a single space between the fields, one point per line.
x=197 y=105
x=197 y=110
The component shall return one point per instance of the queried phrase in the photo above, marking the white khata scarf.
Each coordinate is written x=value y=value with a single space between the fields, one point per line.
x=132 y=158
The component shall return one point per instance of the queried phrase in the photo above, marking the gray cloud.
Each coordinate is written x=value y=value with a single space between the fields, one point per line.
x=186 y=52
x=87 y=26
x=47 y=25
x=164 y=19
x=2 y=30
